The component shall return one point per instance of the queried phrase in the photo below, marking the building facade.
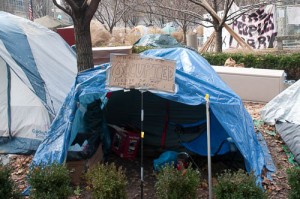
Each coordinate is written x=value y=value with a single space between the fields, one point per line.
x=39 y=9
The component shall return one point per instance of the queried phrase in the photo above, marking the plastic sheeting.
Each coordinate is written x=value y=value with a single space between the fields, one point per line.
x=160 y=41
x=284 y=107
x=284 y=112
x=194 y=79
x=290 y=134
x=157 y=40
x=89 y=86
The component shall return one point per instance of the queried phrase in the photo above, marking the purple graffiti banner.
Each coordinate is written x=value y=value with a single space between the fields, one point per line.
x=257 y=28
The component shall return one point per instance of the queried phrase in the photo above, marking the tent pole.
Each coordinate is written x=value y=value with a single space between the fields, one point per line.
x=208 y=146
x=9 y=100
x=142 y=144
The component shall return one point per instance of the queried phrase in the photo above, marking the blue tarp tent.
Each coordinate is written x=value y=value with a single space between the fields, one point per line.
x=194 y=78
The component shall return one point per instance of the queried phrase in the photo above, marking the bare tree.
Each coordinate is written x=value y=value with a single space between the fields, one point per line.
x=161 y=21
x=219 y=22
x=130 y=18
x=151 y=16
x=145 y=11
x=7 y=7
x=162 y=11
x=126 y=17
x=41 y=8
x=212 y=7
x=148 y=13
x=82 y=12
x=109 y=13
x=184 y=20
x=133 y=20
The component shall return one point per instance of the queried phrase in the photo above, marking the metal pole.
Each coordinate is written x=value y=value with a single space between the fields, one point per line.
x=54 y=11
x=30 y=10
x=142 y=145
x=208 y=146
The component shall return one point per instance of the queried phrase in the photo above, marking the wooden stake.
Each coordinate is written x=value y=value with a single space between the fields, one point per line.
x=208 y=42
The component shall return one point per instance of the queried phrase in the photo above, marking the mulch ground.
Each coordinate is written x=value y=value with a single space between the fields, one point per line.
x=277 y=188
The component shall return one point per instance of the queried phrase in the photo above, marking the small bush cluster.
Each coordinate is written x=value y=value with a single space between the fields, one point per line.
x=50 y=182
x=294 y=181
x=107 y=181
x=238 y=185
x=139 y=49
x=177 y=184
x=7 y=185
x=290 y=63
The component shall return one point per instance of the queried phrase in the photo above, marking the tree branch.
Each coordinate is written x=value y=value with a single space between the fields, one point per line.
x=243 y=11
x=84 y=4
x=73 y=5
x=228 y=4
x=91 y=9
x=62 y=8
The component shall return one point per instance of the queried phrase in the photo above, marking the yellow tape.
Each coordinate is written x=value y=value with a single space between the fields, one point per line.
x=142 y=134
x=207 y=97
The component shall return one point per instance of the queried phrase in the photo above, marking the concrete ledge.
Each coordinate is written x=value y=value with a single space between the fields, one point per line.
x=252 y=84
x=102 y=54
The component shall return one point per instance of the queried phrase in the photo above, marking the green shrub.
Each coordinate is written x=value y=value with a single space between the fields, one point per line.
x=7 y=185
x=238 y=185
x=290 y=63
x=50 y=182
x=107 y=181
x=139 y=49
x=294 y=181
x=177 y=184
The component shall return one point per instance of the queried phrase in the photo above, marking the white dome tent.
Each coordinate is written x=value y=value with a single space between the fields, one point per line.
x=37 y=69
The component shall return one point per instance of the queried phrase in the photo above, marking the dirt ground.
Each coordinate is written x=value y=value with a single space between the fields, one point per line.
x=277 y=188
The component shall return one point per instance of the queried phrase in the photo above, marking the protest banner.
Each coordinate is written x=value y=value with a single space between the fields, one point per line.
x=257 y=28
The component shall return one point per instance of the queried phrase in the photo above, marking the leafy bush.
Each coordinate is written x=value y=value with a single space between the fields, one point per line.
x=139 y=49
x=177 y=184
x=238 y=185
x=49 y=182
x=7 y=185
x=290 y=63
x=107 y=181
x=294 y=182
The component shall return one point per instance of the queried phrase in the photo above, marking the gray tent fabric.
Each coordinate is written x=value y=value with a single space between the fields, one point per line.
x=284 y=112
x=290 y=134
x=284 y=107
x=37 y=69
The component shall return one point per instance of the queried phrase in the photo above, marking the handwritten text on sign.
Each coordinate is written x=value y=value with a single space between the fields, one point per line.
x=257 y=28
x=132 y=71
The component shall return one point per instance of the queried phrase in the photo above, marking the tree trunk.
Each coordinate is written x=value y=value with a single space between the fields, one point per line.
x=218 y=40
x=111 y=30
x=184 y=30
x=83 y=45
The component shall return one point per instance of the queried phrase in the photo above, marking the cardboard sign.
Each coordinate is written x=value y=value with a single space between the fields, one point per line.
x=132 y=71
